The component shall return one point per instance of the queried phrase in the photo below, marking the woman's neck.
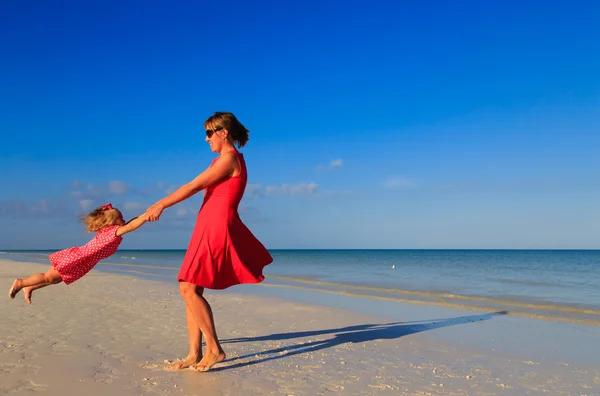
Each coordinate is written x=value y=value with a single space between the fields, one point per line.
x=226 y=149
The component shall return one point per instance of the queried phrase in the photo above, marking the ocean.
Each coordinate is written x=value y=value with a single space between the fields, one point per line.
x=561 y=285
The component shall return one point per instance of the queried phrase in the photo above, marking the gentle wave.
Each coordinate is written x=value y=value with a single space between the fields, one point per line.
x=422 y=295
x=528 y=283
x=535 y=311
x=437 y=295
x=544 y=311
x=136 y=265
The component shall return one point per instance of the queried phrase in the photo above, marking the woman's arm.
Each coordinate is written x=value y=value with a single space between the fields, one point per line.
x=223 y=167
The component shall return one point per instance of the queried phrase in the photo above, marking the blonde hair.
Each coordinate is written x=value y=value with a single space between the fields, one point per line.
x=226 y=120
x=101 y=217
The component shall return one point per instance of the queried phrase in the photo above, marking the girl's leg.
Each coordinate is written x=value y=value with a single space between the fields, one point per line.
x=51 y=277
x=203 y=316
x=28 y=291
x=195 y=354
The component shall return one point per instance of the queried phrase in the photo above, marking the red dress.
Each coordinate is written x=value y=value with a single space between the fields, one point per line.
x=222 y=251
x=77 y=261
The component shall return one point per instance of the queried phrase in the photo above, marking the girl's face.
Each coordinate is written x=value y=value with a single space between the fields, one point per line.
x=118 y=216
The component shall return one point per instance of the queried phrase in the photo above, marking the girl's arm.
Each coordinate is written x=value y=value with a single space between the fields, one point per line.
x=132 y=225
x=223 y=167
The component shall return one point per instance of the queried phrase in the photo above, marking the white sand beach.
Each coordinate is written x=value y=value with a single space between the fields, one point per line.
x=110 y=335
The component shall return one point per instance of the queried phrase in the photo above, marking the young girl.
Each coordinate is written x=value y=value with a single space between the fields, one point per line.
x=71 y=264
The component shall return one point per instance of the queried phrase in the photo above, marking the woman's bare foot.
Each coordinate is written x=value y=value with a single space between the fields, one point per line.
x=209 y=360
x=14 y=289
x=27 y=292
x=183 y=363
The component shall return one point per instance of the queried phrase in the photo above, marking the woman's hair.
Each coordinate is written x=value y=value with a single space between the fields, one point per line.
x=103 y=216
x=227 y=120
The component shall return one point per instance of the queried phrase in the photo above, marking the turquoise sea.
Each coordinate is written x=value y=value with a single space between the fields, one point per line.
x=559 y=285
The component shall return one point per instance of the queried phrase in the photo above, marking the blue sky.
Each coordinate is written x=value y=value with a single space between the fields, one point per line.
x=372 y=125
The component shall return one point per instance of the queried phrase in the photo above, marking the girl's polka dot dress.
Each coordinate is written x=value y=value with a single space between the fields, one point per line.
x=75 y=262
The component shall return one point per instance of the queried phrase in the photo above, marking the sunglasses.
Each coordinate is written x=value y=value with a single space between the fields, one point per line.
x=210 y=132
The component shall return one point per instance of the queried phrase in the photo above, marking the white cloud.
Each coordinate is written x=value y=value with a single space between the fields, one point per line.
x=339 y=193
x=291 y=190
x=101 y=192
x=17 y=208
x=253 y=190
x=312 y=188
x=271 y=190
x=86 y=204
x=85 y=191
x=134 y=205
x=299 y=189
x=42 y=206
x=398 y=182
x=336 y=163
x=117 y=187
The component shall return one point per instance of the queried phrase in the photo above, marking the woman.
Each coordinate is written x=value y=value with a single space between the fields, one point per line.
x=222 y=251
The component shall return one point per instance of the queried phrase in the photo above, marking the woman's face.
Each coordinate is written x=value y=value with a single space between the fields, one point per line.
x=215 y=137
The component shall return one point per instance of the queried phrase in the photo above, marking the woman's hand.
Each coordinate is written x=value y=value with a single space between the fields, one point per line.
x=154 y=212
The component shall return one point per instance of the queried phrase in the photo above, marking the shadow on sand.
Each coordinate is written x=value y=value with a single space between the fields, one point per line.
x=343 y=335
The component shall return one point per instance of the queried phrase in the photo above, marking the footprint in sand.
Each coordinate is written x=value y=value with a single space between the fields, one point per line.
x=20 y=386
x=114 y=355
x=105 y=373
x=151 y=366
x=530 y=362
x=14 y=367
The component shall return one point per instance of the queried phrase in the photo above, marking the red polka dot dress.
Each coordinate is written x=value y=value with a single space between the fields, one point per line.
x=75 y=262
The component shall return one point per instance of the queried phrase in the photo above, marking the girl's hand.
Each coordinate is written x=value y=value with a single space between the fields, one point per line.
x=154 y=212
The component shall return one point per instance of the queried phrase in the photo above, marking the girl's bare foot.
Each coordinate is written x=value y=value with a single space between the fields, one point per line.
x=27 y=292
x=209 y=360
x=14 y=289
x=183 y=363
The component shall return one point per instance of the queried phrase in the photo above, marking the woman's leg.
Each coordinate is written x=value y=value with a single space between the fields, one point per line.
x=195 y=353
x=203 y=316
x=51 y=277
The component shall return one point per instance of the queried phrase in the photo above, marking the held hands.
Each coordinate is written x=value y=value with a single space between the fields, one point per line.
x=153 y=212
